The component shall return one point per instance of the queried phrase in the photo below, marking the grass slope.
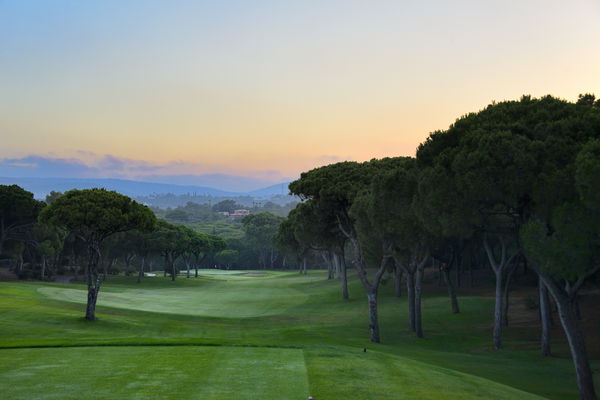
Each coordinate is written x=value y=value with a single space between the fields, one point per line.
x=183 y=372
x=274 y=336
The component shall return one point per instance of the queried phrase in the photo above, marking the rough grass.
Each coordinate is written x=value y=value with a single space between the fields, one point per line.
x=279 y=336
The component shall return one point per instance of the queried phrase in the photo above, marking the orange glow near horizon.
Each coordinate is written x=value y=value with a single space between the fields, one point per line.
x=273 y=86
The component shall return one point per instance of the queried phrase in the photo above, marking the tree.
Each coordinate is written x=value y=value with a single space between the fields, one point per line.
x=143 y=244
x=178 y=216
x=226 y=206
x=286 y=240
x=508 y=169
x=215 y=244
x=316 y=228
x=172 y=241
x=260 y=230
x=227 y=257
x=335 y=188
x=18 y=211
x=391 y=208
x=564 y=248
x=478 y=179
x=49 y=241
x=53 y=195
x=93 y=215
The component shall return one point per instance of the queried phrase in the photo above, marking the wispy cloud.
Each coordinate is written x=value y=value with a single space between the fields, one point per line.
x=90 y=165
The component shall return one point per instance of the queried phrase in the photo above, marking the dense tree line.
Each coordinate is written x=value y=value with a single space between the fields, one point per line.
x=87 y=231
x=516 y=183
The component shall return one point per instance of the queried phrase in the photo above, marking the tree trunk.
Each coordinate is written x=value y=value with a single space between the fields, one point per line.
x=498 y=267
x=304 y=266
x=506 y=293
x=373 y=320
x=336 y=265
x=397 y=281
x=497 y=335
x=43 y=274
x=328 y=258
x=572 y=329
x=343 y=274
x=93 y=282
x=417 y=298
x=173 y=272
x=90 y=311
x=545 y=317
x=451 y=291
x=141 y=273
x=410 y=292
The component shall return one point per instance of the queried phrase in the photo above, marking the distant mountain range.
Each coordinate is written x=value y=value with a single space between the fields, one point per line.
x=40 y=187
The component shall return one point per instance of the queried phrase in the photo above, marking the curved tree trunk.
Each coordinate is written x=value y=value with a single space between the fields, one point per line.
x=574 y=334
x=545 y=318
x=506 y=293
x=451 y=290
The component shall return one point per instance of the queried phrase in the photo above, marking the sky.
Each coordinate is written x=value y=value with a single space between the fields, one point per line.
x=263 y=90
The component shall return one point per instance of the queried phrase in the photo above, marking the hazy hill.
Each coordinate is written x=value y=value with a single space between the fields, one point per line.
x=42 y=186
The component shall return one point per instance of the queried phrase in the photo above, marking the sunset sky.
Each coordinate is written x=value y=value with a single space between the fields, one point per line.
x=267 y=89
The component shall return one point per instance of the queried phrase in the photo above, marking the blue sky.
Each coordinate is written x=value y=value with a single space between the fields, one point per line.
x=267 y=89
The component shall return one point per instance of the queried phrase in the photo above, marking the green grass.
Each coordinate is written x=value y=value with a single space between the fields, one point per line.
x=280 y=335
x=154 y=373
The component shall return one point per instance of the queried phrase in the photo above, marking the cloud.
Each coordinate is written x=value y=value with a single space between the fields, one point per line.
x=45 y=167
x=90 y=165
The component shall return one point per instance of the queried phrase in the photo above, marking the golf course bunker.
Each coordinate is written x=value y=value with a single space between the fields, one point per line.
x=253 y=274
x=221 y=299
x=154 y=372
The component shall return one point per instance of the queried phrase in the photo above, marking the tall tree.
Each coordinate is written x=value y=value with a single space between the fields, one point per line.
x=563 y=244
x=172 y=241
x=18 y=211
x=392 y=210
x=478 y=177
x=260 y=229
x=335 y=188
x=508 y=169
x=93 y=215
x=49 y=241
